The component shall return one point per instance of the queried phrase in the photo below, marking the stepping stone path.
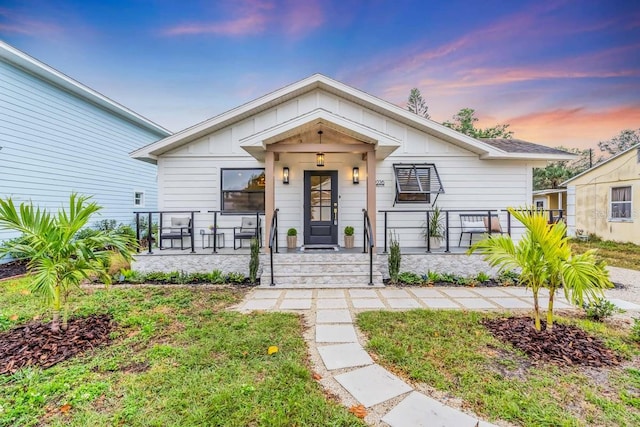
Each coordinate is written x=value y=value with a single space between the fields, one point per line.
x=348 y=371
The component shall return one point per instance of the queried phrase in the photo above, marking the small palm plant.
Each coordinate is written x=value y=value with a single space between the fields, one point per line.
x=59 y=258
x=544 y=257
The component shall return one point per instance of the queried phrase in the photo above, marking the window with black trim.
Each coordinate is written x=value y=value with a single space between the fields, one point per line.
x=415 y=183
x=621 y=203
x=242 y=190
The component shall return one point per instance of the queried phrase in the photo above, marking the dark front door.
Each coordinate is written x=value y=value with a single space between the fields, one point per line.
x=321 y=207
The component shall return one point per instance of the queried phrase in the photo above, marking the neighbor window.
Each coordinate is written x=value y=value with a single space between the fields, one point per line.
x=242 y=190
x=415 y=183
x=138 y=198
x=621 y=203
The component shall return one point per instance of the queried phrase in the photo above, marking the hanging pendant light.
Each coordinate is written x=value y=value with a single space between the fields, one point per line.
x=320 y=156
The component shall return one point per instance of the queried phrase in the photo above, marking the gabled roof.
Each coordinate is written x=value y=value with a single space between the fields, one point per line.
x=18 y=58
x=610 y=159
x=319 y=81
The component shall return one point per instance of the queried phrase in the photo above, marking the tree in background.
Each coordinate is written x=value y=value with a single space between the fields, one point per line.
x=464 y=122
x=416 y=104
x=555 y=173
x=623 y=141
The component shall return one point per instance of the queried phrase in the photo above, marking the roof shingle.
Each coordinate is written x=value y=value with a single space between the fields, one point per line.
x=520 y=146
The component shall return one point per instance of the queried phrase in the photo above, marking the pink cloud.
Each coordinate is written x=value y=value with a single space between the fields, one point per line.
x=18 y=24
x=251 y=17
x=574 y=127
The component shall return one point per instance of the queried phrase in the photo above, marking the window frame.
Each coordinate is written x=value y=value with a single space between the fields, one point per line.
x=629 y=202
x=224 y=211
x=135 y=199
x=432 y=176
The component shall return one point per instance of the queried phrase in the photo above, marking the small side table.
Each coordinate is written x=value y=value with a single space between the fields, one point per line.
x=220 y=243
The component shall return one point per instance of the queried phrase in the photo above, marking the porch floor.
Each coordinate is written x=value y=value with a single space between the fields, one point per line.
x=285 y=250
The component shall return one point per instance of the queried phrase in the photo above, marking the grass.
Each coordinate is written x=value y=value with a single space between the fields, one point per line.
x=178 y=359
x=625 y=255
x=451 y=351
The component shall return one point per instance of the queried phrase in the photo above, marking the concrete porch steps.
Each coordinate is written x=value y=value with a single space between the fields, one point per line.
x=321 y=270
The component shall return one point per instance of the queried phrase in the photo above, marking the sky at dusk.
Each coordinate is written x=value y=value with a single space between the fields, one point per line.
x=560 y=72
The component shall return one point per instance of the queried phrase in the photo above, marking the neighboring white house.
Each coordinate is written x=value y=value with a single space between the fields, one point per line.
x=237 y=162
x=59 y=136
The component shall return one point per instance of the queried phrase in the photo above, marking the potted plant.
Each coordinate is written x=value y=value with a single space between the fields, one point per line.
x=349 y=238
x=436 y=228
x=292 y=237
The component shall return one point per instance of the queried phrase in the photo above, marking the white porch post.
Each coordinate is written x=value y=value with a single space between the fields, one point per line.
x=269 y=196
x=371 y=190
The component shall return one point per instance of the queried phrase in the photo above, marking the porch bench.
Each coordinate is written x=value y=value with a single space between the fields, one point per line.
x=478 y=224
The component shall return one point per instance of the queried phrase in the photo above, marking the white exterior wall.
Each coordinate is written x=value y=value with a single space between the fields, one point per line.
x=189 y=177
x=54 y=143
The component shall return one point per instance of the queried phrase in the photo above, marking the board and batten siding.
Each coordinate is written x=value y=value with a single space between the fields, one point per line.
x=189 y=176
x=54 y=143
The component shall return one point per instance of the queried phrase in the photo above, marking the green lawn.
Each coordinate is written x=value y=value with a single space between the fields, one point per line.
x=453 y=352
x=625 y=255
x=178 y=359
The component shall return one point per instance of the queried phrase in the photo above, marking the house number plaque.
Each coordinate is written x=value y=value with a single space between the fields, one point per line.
x=379 y=182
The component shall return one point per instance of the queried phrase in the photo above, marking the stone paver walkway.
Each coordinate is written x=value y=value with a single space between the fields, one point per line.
x=337 y=353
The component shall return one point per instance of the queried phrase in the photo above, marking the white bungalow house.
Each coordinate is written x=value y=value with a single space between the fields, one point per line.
x=58 y=136
x=320 y=152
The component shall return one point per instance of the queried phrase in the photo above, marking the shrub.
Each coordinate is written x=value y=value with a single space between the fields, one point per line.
x=409 y=278
x=349 y=230
x=431 y=277
x=394 y=258
x=449 y=278
x=292 y=232
x=483 y=277
x=599 y=309
x=235 y=277
x=217 y=277
x=254 y=261
x=508 y=278
x=635 y=330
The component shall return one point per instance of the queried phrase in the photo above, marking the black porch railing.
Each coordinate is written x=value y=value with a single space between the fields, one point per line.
x=216 y=228
x=368 y=242
x=273 y=241
x=184 y=231
x=397 y=219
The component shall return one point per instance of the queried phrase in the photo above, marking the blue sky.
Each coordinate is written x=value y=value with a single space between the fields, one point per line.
x=560 y=72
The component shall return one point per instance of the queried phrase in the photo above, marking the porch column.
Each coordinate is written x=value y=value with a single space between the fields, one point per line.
x=371 y=191
x=269 y=196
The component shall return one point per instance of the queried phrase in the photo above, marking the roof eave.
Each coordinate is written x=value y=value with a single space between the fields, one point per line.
x=44 y=71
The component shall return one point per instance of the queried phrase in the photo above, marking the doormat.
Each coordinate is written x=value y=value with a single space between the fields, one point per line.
x=319 y=248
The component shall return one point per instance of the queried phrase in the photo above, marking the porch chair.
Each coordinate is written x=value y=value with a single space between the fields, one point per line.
x=478 y=224
x=248 y=230
x=180 y=228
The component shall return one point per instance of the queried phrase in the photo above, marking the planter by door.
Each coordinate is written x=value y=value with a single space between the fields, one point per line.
x=349 y=241
x=292 y=242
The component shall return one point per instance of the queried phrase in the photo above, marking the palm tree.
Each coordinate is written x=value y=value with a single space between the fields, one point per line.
x=59 y=259
x=544 y=257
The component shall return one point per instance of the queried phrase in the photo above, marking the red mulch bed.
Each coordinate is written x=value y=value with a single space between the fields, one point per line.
x=13 y=268
x=34 y=344
x=565 y=345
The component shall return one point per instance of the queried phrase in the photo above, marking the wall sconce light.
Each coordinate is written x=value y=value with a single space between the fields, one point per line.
x=285 y=175
x=356 y=175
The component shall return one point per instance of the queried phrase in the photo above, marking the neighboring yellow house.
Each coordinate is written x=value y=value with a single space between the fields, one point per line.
x=554 y=199
x=604 y=199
